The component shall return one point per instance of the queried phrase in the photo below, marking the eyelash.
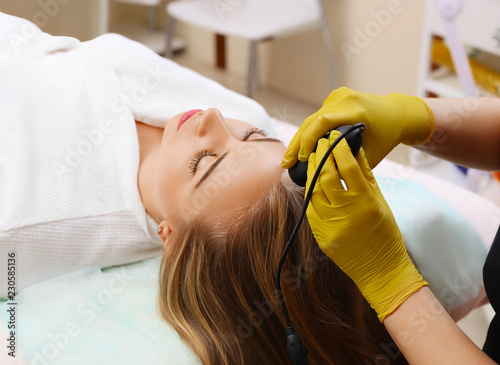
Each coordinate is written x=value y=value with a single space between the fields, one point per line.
x=195 y=160
x=251 y=131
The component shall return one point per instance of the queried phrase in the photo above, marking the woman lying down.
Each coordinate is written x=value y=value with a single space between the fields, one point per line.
x=102 y=164
x=226 y=210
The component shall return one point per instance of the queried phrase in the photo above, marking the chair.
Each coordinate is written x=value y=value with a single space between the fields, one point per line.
x=151 y=37
x=151 y=4
x=255 y=20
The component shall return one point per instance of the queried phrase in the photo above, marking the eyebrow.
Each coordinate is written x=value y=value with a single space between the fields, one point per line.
x=266 y=139
x=211 y=169
x=219 y=160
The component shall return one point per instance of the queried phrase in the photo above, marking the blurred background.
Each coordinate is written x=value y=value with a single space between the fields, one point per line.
x=380 y=46
x=293 y=66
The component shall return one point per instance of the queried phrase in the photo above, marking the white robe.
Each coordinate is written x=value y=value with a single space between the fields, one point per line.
x=69 y=152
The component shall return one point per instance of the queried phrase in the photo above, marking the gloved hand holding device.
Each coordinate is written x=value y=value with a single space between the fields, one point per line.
x=390 y=120
x=357 y=230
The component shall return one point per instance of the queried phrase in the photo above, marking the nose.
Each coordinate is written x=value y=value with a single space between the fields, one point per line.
x=212 y=123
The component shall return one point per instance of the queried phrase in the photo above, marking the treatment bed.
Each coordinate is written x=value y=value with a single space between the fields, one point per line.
x=108 y=315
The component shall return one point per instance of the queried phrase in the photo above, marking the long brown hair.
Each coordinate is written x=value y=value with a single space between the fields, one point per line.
x=217 y=291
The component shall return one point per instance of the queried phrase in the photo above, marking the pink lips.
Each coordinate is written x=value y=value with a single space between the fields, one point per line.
x=185 y=117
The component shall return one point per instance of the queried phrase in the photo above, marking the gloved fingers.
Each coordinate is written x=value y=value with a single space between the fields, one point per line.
x=311 y=167
x=365 y=166
x=318 y=194
x=333 y=136
x=320 y=230
x=368 y=174
x=322 y=124
x=329 y=177
x=339 y=94
x=309 y=139
x=312 y=214
x=349 y=169
x=290 y=157
x=313 y=128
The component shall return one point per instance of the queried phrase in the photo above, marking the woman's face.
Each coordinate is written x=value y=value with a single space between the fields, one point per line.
x=212 y=166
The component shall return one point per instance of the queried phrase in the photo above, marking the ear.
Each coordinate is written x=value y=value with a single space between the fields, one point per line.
x=165 y=232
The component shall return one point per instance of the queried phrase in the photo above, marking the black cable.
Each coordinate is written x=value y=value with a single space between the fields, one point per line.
x=290 y=329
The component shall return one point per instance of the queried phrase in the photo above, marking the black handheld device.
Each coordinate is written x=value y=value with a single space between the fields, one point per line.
x=352 y=133
x=298 y=173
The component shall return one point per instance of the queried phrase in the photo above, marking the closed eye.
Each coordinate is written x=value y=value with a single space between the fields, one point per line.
x=195 y=160
x=253 y=131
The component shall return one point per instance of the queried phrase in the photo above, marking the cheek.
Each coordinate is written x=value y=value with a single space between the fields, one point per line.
x=169 y=178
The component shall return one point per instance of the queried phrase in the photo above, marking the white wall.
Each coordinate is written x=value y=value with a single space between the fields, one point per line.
x=388 y=54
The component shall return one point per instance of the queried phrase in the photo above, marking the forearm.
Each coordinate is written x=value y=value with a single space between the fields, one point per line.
x=467 y=131
x=426 y=334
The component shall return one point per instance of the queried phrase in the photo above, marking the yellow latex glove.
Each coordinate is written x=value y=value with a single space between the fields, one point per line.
x=357 y=229
x=390 y=120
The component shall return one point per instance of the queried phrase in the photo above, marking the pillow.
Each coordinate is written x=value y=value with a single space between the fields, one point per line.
x=106 y=316
x=444 y=246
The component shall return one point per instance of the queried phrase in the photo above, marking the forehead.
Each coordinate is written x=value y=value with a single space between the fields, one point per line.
x=238 y=122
